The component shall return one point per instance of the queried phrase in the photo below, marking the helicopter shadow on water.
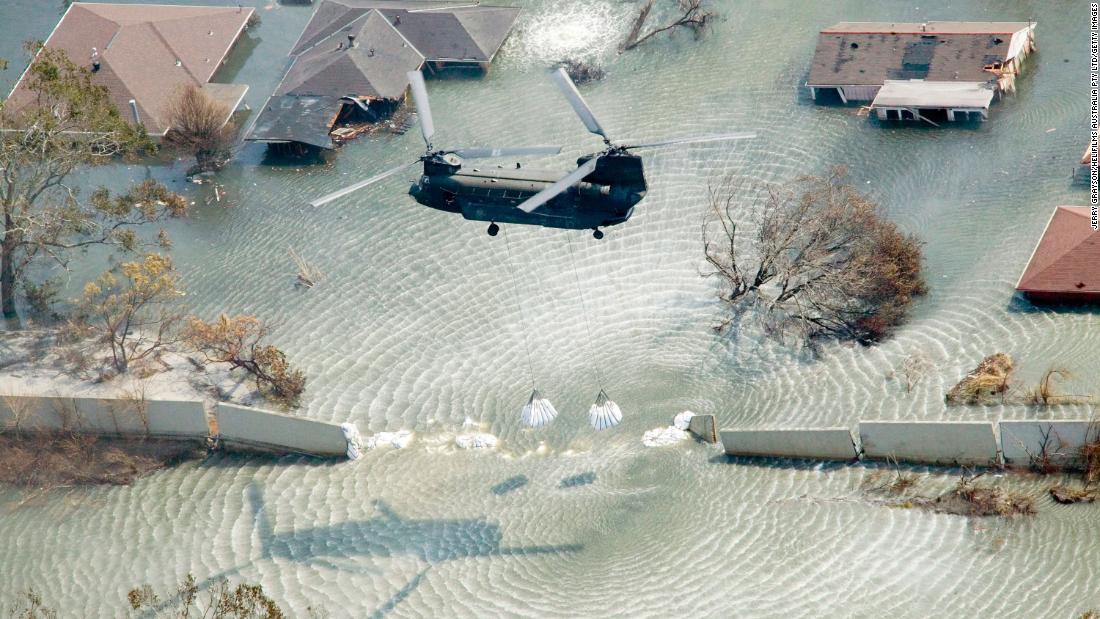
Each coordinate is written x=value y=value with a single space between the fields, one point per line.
x=387 y=534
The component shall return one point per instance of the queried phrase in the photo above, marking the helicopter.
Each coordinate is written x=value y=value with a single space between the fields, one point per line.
x=602 y=191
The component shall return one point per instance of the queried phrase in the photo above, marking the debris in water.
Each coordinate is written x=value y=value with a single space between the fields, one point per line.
x=682 y=420
x=476 y=440
x=308 y=275
x=397 y=440
x=659 y=437
x=538 y=412
x=604 y=413
x=351 y=435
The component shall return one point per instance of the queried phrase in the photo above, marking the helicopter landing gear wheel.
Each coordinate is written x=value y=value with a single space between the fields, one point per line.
x=597 y=233
x=493 y=229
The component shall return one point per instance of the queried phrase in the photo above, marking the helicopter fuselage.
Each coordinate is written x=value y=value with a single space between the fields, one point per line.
x=605 y=197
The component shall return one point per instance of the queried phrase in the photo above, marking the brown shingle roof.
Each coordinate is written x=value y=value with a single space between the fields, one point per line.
x=146 y=52
x=853 y=53
x=1067 y=258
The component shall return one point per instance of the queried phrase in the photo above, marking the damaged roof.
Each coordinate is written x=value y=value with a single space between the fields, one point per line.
x=148 y=52
x=302 y=119
x=389 y=38
x=869 y=53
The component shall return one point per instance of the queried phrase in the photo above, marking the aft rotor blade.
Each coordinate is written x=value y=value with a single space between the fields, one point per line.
x=703 y=138
x=423 y=110
x=559 y=187
x=484 y=153
x=569 y=89
x=361 y=184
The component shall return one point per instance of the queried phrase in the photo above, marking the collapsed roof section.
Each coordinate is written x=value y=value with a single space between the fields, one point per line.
x=361 y=50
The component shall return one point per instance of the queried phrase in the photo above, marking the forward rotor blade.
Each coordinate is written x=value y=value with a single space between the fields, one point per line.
x=558 y=187
x=569 y=89
x=423 y=110
x=703 y=138
x=484 y=153
x=361 y=184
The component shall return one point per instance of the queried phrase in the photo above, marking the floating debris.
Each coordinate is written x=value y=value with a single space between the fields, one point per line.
x=397 y=440
x=476 y=440
x=659 y=437
x=351 y=435
x=604 y=413
x=538 y=412
x=308 y=275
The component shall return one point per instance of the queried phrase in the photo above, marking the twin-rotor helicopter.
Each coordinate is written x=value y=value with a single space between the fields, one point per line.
x=602 y=191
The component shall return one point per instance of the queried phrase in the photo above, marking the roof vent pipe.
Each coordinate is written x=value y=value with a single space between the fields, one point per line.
x=133 y=108
x=924 y=26
x=351 y=40
x=95 y=60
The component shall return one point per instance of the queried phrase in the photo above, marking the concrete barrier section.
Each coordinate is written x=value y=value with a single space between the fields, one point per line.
x=153 y=418
x=253 y=429
x=1057 y=443
x=704 y=427
x=946 y=442
x=815 y=443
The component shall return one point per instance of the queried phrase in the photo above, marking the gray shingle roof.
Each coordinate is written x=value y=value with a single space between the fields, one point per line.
x=459 y=25
x=392 y=37
x=870 y=53
x=296 y=119
x=374 y=68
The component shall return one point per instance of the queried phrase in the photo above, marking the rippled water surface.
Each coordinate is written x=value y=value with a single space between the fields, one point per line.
x=417 y=327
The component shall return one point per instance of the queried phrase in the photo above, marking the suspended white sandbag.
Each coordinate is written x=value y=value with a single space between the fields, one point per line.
x=538 y=412
x=604 y=413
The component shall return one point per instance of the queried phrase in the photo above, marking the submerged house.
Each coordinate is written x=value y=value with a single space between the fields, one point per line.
x=933 y=71
x=349 y=64
x=145 y=53
x=1065 y=266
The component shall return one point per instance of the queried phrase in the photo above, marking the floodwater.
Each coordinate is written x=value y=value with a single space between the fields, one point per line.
x=417 y=327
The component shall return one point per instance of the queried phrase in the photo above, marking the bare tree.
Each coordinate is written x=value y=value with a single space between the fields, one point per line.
x=691 y=15
x=199 y=126
x=914 y=368
x=820 y=260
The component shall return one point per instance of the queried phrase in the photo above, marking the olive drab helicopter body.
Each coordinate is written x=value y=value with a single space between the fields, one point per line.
x=602 y=191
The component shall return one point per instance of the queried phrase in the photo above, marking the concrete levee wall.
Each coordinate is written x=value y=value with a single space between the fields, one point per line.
x=1057 y=442
x=252 y=429
x=122 y=417
x=704 y=427
x=942 y=442
x=816 y=443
